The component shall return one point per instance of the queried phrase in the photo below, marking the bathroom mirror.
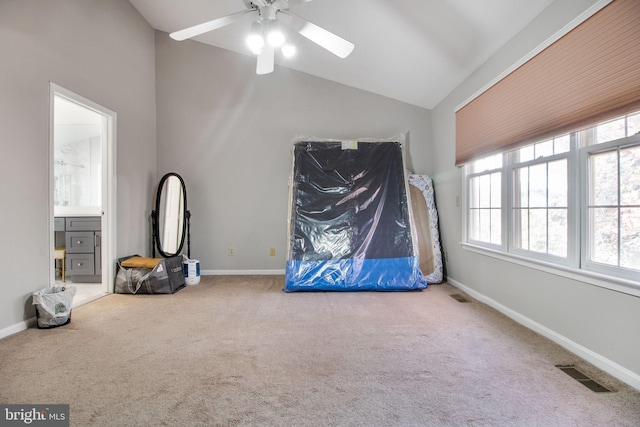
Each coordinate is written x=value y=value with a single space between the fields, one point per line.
x=170 y=219
x=79 y=134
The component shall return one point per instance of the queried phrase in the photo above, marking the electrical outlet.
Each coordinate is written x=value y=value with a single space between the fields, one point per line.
x=272 y=251
x=231 y=252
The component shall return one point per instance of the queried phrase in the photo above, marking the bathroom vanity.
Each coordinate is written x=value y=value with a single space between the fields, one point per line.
x=80 y=236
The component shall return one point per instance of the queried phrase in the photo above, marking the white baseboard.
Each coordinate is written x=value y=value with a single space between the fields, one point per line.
x=620 y=372
x=18 y=327
x=242 y=272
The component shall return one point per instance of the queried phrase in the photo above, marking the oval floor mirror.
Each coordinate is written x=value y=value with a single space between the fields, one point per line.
x=171 y=218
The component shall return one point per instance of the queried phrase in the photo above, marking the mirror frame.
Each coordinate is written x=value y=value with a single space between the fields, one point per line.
x=155 y=216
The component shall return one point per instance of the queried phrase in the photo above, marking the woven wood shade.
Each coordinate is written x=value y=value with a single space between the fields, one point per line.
x=591 y=73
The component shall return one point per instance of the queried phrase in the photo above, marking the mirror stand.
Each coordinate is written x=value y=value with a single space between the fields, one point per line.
x=171 y=220
x=155 y=240
x=188 y=217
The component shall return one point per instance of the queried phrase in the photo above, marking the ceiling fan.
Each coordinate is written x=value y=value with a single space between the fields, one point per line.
x=270 y=13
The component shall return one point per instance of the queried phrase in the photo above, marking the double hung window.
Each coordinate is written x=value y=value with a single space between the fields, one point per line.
x=485 y=201
x=540 y=199
x=572 y=200
x=612 y=198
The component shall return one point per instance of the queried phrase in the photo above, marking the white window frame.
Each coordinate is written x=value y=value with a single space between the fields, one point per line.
x=572 y=258
x=576 y=265
x=585 y=152
x=466 y=206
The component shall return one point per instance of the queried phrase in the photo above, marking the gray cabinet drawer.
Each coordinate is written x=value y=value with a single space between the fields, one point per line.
x=83 y=223
x=80 y=241
x=78 y=264
x=81 y=237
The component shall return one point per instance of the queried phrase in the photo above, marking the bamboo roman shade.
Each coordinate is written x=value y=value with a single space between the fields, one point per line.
x=591 y=73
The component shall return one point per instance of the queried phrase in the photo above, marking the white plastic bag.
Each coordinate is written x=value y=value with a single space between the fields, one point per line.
x=53 y=305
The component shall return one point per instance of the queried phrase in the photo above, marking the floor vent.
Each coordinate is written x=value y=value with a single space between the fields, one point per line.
x=459 y=298
x=590 y=383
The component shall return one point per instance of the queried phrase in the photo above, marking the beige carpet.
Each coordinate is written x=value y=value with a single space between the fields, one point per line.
x=239 y=351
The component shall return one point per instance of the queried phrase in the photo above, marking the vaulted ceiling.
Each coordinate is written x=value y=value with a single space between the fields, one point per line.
x=414 y=51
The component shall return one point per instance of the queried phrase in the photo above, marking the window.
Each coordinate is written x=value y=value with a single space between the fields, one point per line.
x=540 y=204
x=485 y=201
x=572 y=200
x=613 y=197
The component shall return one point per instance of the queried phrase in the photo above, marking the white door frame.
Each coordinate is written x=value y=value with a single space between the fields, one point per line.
x=108 y=228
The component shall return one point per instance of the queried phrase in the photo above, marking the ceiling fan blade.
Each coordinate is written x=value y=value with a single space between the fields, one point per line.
x=294 y=3
x=265 y=60
x=333 y=43
x=286 y=4
x=196 y=30
x=280 y=4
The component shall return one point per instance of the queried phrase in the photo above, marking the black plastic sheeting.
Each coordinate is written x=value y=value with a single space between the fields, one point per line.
x=350 y=224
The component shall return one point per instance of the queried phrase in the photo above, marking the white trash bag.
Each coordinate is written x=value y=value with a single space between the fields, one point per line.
x=53 y=306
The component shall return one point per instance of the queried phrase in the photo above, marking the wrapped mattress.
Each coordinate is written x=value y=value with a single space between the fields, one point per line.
x=425 y=215
x=350 y=224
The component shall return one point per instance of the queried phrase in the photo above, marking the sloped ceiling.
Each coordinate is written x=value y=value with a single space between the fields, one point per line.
x=414 y=51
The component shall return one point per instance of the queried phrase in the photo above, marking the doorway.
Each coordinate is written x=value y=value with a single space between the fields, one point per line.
x=82 y=194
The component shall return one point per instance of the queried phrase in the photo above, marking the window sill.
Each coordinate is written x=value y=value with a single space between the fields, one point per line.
x=600 y=280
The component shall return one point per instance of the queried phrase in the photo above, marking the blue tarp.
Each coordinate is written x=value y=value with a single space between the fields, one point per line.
x=390 y=274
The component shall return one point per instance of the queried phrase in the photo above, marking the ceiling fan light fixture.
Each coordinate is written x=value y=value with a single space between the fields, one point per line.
x=275 y=37
x=255 y=43
x=288 y=50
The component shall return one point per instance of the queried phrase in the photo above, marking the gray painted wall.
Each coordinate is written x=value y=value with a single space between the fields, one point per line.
x=602 y=321
x=102 y=50
x=229 y=133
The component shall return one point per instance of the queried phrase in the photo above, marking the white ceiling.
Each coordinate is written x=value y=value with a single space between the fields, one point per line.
x=415 y=51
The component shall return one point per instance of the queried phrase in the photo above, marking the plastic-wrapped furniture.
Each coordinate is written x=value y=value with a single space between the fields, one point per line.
x=350 y=222
x=425 y=216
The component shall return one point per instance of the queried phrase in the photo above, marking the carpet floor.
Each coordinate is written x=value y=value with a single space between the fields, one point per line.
x=236 y=350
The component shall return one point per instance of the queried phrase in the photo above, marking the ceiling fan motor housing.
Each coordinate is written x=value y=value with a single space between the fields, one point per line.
x=268 y=13
x=261 y=4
